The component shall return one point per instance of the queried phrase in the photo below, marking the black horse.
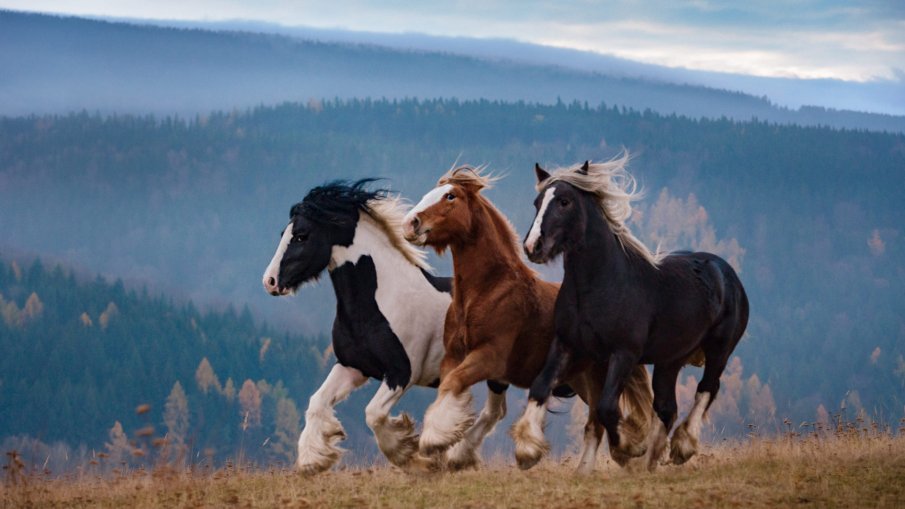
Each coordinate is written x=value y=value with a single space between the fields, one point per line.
x=622 y=305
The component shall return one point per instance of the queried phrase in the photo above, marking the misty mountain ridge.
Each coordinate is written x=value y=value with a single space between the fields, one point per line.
x=878 y=96
x=68 y=64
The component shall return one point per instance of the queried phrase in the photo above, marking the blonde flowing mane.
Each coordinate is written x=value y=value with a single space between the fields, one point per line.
x=388 y=212
x=615 y=190
x=469 y=175
x=479 y=178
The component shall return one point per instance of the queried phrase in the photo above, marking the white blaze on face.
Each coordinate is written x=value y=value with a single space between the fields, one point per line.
x=273 y=270
x=430 y=199
x=534 y=234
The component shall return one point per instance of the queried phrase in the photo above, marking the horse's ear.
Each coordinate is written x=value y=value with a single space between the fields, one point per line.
x=584 y=168
x=541 y=174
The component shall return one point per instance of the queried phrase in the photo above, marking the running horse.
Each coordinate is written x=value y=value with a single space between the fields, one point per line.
x=621 y=305
x=500 y=324
x=389 y=318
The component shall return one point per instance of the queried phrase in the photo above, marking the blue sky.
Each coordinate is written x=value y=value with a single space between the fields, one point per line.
x=855 y=41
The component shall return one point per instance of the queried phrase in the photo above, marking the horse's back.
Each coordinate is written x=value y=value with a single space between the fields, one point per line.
x=715 y=279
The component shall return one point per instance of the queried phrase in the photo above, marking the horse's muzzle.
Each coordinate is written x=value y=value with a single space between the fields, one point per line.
x=271 y=287
x=540 y=253
x=412 y=231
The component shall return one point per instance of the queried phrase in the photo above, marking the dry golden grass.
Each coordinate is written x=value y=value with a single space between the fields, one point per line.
x=847 y=471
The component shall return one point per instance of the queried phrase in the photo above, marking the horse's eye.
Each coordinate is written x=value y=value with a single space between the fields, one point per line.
x=564 y=202
x=450 y=196
x=302 y=237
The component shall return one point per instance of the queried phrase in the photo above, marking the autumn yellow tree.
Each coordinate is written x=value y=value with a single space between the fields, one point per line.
x=176 y=415
x=118 y=449
x=206 y=378
x=250 y=403
x=673 y=223
x=288 y=426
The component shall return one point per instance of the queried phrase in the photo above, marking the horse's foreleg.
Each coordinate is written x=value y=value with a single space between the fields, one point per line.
x=317 y=444
x=626 y=441
x=395 y=436
x=451 y=414
x=464 y=454
x=528 y=432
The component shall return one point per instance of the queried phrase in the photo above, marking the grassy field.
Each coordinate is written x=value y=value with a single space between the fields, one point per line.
x=849 y=471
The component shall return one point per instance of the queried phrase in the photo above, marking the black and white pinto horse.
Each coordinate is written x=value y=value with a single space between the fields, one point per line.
x=623 y=305
x=390 y=314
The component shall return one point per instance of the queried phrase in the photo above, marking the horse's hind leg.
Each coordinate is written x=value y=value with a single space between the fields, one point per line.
x=684 y=443
x=317 y=443
x=589 y=387
x=465 y=453
x=395 y=436
x=663 y=417
x=625 y=440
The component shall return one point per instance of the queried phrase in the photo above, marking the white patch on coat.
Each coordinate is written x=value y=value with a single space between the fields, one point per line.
x=273 y=270
x=415 y=310
x=535 y=233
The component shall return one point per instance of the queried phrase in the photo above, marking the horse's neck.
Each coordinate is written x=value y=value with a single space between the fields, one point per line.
x=370 y=240
x=598 y=259
x=488 y=253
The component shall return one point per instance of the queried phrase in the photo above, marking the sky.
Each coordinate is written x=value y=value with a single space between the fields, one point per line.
x=846 y=40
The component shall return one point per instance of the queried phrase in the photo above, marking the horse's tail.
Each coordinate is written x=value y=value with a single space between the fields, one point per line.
x=637 y=402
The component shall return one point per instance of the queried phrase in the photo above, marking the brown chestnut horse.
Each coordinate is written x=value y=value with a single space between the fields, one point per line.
x=499 y=326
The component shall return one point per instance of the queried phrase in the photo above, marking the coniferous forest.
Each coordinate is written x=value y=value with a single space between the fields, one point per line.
x=175 y=211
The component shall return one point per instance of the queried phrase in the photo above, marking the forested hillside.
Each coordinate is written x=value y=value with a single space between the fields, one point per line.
x=52 y=64
x=812 y=217
x=79 y=357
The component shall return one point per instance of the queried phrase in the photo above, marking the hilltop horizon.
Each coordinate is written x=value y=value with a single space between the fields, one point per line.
x=78 y=63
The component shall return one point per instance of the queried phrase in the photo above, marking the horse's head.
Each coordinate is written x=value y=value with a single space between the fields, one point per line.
x=560 y=219
x=445 y=214
x=325 y=218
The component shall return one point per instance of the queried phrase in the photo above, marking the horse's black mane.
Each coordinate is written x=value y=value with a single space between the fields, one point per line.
x=338 y=201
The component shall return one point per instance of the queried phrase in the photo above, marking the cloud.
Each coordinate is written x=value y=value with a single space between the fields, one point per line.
x=788 y=38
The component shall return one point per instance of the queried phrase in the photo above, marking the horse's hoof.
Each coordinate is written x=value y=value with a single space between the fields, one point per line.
x=445 y=423
x=423 y=465
x=526 y=460
x=683 y=446
x=405 y=445
x=461 y=457
x=530 y=444
x=428 y=447
x=584 y=470
x=310 y=469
